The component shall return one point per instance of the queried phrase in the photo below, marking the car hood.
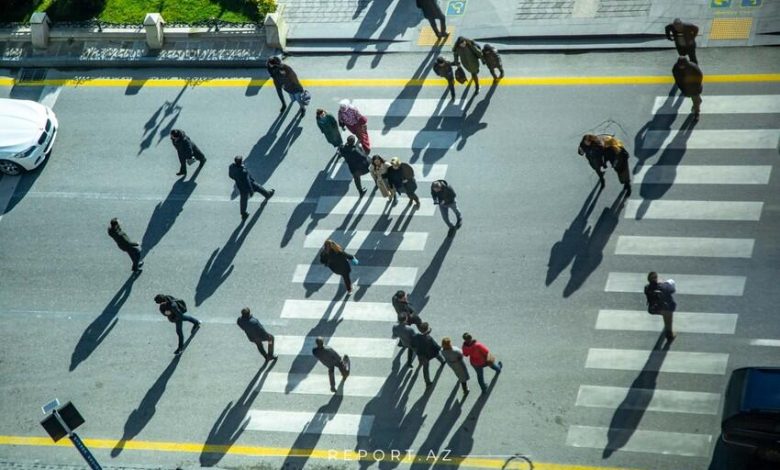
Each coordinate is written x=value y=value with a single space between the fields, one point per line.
x=21 y=123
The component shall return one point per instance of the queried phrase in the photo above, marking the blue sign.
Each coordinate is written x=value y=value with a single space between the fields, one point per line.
x=751 y=3
x=456 y=7
x=720 y=3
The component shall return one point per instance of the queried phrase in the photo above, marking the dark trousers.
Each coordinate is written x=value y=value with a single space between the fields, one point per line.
x=480 y=370
x=424 y=362
x=135 y=256
x=179 y=333
x=667 y=316
x=343 y=368
x=475 y=78
x=244 y=196
x=279 y=93
x=500 y=73
x=197 y=154
x=451 y=85
x=410 y=189
x=442 y=19
x=356 y=178
x=690 y=52
x=347 y=281
x=270 y=353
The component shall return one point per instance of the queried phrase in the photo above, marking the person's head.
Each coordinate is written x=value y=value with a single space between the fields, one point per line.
x=461 y=41
x=446 y=343
x=176 y=134
x=677 y=23
x=488 y=48
x=441 y=60
x=319 y=342
x=331 y=246
x=274 y=61
x=395 y=162
x=401 y=295
x=245 y=313
x=436 y=186
x=344 y=104
x=321 y=112
x=424 y=328
x=377 y=161
x=351 y=140
x=239 y=160
x=652 y=277
x=159 y=298
x=467 y=338
x=114 y=223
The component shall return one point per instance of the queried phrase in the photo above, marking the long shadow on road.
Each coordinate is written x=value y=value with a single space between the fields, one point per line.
x=307 y=440
x=166 y=212
x=269 y=152
x=661 y=123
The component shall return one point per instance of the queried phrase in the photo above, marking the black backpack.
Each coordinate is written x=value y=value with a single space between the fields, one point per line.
x=656 y=300
x=180 y=306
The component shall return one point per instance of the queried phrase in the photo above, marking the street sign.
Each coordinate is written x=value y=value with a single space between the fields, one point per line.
x=456 y=7
x=720 y=3
x=50 y=406
x=751 y=3
x=61 y=422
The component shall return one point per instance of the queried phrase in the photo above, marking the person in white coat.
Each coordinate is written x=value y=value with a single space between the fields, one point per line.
x=454 y=358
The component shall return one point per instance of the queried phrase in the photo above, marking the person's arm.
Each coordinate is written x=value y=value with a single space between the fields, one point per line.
x=694 y=30
x=672 y=286
x=455 y=56
x=669 y=30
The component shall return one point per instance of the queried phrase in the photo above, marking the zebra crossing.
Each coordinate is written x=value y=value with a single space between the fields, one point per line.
x=617 y=399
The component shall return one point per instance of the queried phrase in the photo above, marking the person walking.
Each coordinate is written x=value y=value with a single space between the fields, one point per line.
x=688 y=78
x=356 y=161
x=658 y=293
x=351 y=118
x=432 y=12
x=405 y=334
x=444 y=196
x=378 y=170
x=331 y=359
x=454 y=358
x=273 y=65
x=468 y=54
x=176 y=312
x=186 y=150
x=330 y=129
x=492 y=61
x=684 y=37
x=123 y=242
x=404 y=309
x=617 y=156
x=592 y=147
x=443 y=68
x=256 y=333
x=290 y=83
x=338 y=261
x=246 y=184
x=480 y=357
x=401 y=176
x=426 y=348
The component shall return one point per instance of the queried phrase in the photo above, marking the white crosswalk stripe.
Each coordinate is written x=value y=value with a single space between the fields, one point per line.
x=305 y=422
x=353 y=347
x=704 y=174
x=630 y=440
x=765 y=342
x=685 y=246
x=659 y=361
x=725 y=104
x=422 y=173
x=691 y=284
x=696 y=210
x=369 y=206
x=721 y=139
x=420 y=107
x=669 y=401
x=326 y=310
x=400 y=139
x=369 y=240
x=684 y=322
x=363 y=275
x=319 y=384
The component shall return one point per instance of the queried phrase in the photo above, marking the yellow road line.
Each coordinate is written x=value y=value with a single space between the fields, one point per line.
x=381 y=82
x=257 y=451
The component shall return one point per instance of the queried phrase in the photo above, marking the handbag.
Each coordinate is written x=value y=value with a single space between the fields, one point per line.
x=491 y=359
x=305 y=97
x=460 y=75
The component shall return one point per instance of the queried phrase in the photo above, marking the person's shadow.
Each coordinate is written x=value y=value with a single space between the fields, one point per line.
x=307 y=209
x=591 y=253
x=660 y=123
x=269 y=152
x=462 y=441
x=403 y=103
x=101 y=326
x=419 y=296
x=161 y=121
x=441 y=428
x=232 y=422
x=422 y=144
x=473 y=121
x=166 y=212
x=574 y=238
x=220 y=264
x=306 y=441
x=629 y=413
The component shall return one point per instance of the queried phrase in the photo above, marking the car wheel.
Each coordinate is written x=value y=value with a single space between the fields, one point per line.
x=10 y=168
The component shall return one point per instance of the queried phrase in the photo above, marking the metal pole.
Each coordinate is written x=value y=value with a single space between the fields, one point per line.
x=76 y=440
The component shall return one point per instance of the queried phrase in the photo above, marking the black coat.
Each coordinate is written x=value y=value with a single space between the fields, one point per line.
x=688 y=78
x=254 y=330
x=291 y=83
x=337 y=262
x=444 y=70
x=430 y=8
x=184 y=146
x=685 y=38
x=405 y=311
x=169 y=305
x=356 y=161
x=445 y=196
x=121 y=239
x=241 y=176
x=425 y=346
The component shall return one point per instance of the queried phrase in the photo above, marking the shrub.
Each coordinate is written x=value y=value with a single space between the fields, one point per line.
x=264 y=7
x=15 y=10
x=75 y=10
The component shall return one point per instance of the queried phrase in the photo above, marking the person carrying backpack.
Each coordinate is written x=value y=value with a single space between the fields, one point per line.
x=175 y=310
x=658 y=293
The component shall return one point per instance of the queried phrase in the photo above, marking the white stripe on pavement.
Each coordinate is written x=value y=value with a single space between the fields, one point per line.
x=327 y=310
x=406 y=140
x=696 y=210
x=704 y=247
x=725 y=104
x=704 y=174
x=735 y=139
x=634 y=440
x=319 y=384
x=353 y=347
x=684 y=322
x=368 y=240
x=657 y=361
x=361 y=275
x=409 y=107
x=765 y=342
x=369 y=206
x=690 y=284
x=160 y=197
x=301 y=422
x=422 y=173
x=669 y=401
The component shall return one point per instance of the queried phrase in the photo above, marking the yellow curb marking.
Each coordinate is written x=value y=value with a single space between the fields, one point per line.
x=428 y=37
x=257 y=451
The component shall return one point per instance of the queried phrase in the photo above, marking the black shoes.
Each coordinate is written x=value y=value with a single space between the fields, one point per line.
x=181 y=173
x=244 y=216
x=363 y=192
x=137 y=267
x=284 y=106
x=177 y=352
x=459 y=224
x=195 y=328
x=270 y=194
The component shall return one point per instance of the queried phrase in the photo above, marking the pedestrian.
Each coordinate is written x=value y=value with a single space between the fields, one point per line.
x=176 y=312
x=454 y=358
x=330 y=129
x=378 y=170
x=293 y=87
x=405 y=334
x=338 y=261
x=123 y=242
x=351 y=118
x=492 y=61
x=256 y=333
x=444 y=196
x=432 y=12
x=658 y=293
x=273 y=65
x=246 y=184
x=684 y=37
x=186 y=150
x=404 y=309
x=401 y=176
x=426 y=348
x=592 y=147
x=443 y=68
x=617 y=156
x=480 y=357
x=331 y=359
x=356 y=161
x=468 y=54
x=688 y=78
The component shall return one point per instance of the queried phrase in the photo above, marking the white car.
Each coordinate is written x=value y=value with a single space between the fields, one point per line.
x=27 y=132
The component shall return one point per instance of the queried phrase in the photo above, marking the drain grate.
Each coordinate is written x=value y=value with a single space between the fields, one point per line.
x=27 y=75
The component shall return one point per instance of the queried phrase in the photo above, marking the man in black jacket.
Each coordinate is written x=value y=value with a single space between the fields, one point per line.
x=245 y=184
x=124 y=244
x=688 y=78
x=292 y=86
x=186 y=150
x=331 y=359
x=426 y=348
x=684 y=37
x=273 y=65
x=356 y=161
x=175 y=310
x=256 y=333
x=404 y=309
x=444 y=196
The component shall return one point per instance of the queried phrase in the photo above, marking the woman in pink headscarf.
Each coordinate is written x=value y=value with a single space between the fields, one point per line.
x=350 y=117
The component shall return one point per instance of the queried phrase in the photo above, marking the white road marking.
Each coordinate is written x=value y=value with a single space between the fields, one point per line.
x=684 y=322
x=361 y=275
x=327 y=310
x=630 y=440
x=353 y=347
x=735 y=139
x=409 y=107
x=49 y=95
x=395 y=139
x=422 y=173
x=669 y=401
x=696 y=210
x=690 y=284
x=302 y=422
x=369 y=240
x=161 y=197
x=369 y=206
x=704 y=174
x=704 y=247
x=319 y=384
x=660 y=361
x=765 y=342
x=725 y=104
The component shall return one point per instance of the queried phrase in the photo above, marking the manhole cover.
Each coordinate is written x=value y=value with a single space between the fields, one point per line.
x=31 y=75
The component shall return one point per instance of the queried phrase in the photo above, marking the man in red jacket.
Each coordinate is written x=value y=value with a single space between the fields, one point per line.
x=480 y=357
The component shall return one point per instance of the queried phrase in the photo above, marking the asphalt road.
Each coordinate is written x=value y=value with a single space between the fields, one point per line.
x=543 y=271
